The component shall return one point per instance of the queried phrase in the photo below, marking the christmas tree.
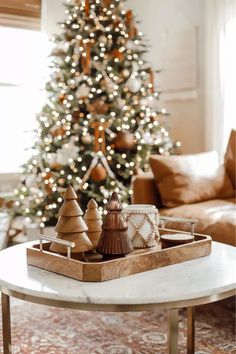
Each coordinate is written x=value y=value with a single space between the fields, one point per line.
x=102 y=119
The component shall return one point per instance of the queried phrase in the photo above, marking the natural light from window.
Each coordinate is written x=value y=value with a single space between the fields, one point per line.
x=228 y=76
x=23 y=63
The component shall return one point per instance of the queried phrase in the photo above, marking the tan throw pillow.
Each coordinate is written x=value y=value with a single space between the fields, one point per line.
x=185 y=179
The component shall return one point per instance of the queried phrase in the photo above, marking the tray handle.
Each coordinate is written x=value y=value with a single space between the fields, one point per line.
x=191 y=222
x=68 y=244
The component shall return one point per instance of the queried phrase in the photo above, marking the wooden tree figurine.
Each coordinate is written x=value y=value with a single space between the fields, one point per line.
x=71 y=226
x=93 y=220
x=114 y=241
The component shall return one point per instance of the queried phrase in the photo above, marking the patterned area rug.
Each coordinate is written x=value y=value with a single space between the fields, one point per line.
x=38 y=329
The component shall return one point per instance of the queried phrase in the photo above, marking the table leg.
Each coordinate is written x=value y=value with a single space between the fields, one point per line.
x=173 y=331
x=190 y=330
x=6 y=324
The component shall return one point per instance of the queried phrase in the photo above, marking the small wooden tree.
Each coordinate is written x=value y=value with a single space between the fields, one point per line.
x=93 y=221
x=71 y=226
x=114 y=241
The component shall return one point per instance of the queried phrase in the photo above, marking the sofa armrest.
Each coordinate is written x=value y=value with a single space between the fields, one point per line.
x=145 y=190
x=230 y=157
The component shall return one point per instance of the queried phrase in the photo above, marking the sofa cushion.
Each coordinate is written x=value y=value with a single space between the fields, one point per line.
x=185 y=179
x=216 y=218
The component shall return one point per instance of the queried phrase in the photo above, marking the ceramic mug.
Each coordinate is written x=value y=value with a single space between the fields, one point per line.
x=142 y=221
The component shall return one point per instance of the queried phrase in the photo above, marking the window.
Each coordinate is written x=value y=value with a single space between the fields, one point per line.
x=228 y=75
x=23 y=54
x=220 y=72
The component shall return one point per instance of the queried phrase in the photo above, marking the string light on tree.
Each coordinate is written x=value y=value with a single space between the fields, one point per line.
x=98 y=75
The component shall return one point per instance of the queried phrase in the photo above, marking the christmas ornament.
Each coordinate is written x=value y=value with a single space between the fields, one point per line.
x=57 y=131
x=98 y=173
x=55 y=165
x=64 y=154
x=134 y=84
x=107 y=3
x=69 y=35
x=61 y=97
x=125 y=73
x=86 y=139
x=99 y=135
x=93 y=220
x=82 y=91
x=87 y=7
x=129 y=21
x=114 y=241
x=31 y=180
x=117 y=54
x=71 y=226
x=9 y=204
x=75 y=116
x=120 y=103
x=102 y=39
x=98 y=107
x=107 y=82
x=48 y=178
x=86 y=59
x=124 y=140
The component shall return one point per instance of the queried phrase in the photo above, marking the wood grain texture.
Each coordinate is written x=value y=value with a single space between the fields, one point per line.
x=29 y=8
x=137 y=262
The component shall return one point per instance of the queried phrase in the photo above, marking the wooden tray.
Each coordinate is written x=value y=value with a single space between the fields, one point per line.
x=136 y=262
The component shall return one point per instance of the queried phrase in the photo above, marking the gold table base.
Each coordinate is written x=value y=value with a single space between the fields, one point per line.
x=172 y=307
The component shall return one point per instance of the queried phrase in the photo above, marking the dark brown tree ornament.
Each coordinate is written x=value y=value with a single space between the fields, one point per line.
x=114 y=241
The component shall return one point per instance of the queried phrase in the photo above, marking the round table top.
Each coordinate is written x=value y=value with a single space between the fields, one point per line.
x=185 y=284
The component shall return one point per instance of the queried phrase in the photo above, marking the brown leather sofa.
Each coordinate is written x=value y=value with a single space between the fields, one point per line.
x=216 y=217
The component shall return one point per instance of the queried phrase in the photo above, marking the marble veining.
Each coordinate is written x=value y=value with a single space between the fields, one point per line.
x=201 y=277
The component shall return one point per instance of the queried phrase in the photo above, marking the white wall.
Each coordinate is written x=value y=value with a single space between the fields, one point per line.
x=160 y=17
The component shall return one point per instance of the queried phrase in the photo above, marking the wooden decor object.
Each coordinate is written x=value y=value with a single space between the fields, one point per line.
x=171 y=240
x=93 y=220
x=114 y=241
x=71 y=226
x=136 y=262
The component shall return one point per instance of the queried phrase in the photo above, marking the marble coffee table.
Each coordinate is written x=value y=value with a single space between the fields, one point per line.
x=188 y=284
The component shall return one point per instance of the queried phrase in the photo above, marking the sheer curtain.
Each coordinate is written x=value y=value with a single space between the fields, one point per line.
x=220 y=88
